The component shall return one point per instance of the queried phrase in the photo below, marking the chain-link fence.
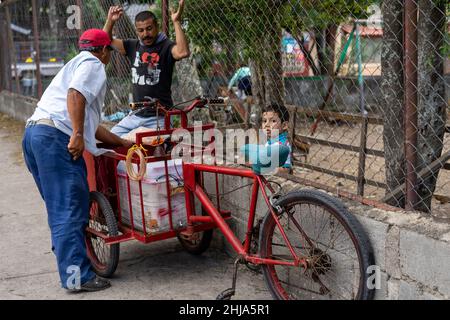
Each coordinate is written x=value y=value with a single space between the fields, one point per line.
x=59 y=25
x=366 y=82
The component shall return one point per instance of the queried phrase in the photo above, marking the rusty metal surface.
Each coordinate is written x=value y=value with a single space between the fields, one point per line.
x=411 y=62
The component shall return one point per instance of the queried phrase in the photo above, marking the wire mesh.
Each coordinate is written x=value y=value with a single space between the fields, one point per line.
x=339 y=67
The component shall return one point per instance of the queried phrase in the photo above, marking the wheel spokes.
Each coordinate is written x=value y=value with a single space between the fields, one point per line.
x=319 y=235
x=97 y=222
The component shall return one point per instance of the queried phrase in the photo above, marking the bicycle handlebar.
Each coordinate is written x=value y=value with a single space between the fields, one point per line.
x=218 y=100
x=201 y=102
x=198 y=102
x=143 y=104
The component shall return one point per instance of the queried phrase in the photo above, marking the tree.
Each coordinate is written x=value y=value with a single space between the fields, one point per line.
x=432 y=29
x=321 y=19
x=186 y=79
x=251 y=30
x=431 y=92
x=392 y=87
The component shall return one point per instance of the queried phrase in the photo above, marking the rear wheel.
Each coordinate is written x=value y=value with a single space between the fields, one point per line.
x=200 y=241
x=328 y=237
x=104 y=257
x=199 y=244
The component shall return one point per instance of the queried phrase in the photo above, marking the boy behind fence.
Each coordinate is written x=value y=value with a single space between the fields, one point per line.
x=275 y=122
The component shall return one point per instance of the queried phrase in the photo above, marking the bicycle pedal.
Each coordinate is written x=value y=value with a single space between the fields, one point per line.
x=226 y=294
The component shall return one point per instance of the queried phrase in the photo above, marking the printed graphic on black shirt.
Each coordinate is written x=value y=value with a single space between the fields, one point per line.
x=145 y=70
x=151 y=70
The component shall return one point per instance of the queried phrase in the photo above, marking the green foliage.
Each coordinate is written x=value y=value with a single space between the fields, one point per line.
x=445 y=49
x=318 y=14
x=72 y=51
x=243 y=24
x=94 y=13
x=156 y=9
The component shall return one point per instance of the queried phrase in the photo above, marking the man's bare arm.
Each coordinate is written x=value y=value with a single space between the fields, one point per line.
x=104 y=135
x=76 y=104
x=114 y=15
x=181 y=48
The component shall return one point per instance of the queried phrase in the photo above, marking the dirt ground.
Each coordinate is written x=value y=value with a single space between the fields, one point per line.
x=12 y=131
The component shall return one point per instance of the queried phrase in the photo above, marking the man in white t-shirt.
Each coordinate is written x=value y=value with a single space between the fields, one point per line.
x=65 y=122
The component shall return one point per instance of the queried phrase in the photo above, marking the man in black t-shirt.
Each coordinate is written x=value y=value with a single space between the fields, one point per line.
x=152 y=57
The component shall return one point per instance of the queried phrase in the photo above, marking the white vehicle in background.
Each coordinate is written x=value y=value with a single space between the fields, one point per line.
x=23 y=64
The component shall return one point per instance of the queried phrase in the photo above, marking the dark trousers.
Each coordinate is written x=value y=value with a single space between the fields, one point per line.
x=63 y=185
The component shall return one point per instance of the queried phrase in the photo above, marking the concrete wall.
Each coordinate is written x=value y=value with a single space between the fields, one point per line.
x=411 y=249
x=17 y=106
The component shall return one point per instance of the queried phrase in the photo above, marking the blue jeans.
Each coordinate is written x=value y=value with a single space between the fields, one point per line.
x=132 y=122
x=62 y=183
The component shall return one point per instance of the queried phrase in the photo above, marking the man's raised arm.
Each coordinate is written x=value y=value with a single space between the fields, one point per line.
x=181 y=48
x=114 y=14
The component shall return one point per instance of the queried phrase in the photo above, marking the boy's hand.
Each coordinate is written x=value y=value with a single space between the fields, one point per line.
x=115 y=13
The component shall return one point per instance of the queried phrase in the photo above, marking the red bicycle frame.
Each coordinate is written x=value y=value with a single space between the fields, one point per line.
x=194 y=188
x=193 y=185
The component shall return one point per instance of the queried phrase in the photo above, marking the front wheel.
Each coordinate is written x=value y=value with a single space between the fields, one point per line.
x=104 y=257
x=333 y=244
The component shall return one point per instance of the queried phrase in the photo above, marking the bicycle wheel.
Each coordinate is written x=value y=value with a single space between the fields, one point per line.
x=199 y=245
x=104 y=257
x=332 y=241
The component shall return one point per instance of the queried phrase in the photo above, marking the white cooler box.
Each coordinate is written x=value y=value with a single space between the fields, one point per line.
x=154 y=195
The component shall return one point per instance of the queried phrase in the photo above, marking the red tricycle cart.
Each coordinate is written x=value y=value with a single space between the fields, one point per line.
x=308 y=246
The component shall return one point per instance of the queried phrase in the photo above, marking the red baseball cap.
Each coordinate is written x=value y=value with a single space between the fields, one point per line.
x=94 y=38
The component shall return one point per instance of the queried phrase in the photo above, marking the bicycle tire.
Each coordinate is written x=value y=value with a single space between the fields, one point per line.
x=104 y=260
x=197 y=248
x=321 y=261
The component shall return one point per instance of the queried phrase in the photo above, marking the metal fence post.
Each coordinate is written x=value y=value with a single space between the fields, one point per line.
x=5 y=65
x=37 y=58
x=411 y=62
x=165 y=16
x=13 y=49
x=365 y=121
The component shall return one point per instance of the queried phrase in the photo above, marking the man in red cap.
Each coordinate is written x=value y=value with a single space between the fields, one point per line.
x=65 y=122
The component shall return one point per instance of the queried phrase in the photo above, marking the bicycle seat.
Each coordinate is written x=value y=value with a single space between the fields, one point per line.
x=265 y=159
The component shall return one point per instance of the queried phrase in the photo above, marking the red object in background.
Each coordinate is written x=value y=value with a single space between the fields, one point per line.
x=90 y=166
